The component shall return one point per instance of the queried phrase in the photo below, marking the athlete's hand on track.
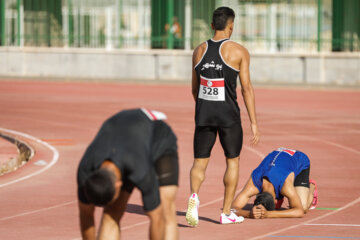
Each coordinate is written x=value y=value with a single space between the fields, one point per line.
x=256 y=212
x=256 y=134
x=263 y=211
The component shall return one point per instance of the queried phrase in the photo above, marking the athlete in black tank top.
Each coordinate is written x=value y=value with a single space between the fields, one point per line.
x=133 y=148
x=217 y=63
x=216 y=104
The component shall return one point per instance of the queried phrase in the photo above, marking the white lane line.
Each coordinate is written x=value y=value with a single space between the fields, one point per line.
x=37 y=211
x=261 y=155
x=54 y=159
x=330 y=224
x=309 y=221
x=135 y=225
x=319 y=140
x=338 y=145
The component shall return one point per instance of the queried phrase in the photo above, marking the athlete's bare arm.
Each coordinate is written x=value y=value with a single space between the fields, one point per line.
x=296 y=209
x=87 y=225
x=197 y=55
x=242 y=199
x=238 y=57
x=248 y=94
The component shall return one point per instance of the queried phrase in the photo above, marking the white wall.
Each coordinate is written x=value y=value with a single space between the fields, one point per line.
x=173 y=65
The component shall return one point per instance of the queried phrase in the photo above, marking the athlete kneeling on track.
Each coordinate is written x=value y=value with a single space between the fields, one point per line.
x=133 y=148
x=283 y=173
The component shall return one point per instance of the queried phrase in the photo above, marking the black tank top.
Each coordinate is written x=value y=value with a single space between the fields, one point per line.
x=131 y=139
x=216 y=103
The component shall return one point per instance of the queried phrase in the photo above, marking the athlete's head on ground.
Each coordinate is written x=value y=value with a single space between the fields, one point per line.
x=222 y=17
x=265 y=199
x=100 y=187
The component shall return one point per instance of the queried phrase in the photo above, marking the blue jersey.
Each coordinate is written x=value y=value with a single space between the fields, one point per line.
x=277 y=166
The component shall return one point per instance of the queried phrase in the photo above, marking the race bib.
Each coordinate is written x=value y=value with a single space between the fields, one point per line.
x=212 y=89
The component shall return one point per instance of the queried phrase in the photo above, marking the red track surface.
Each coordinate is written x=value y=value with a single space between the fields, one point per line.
x=39 y=201
x=8 y=151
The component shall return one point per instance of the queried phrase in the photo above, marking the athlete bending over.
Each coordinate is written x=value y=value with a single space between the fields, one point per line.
x=132 y=148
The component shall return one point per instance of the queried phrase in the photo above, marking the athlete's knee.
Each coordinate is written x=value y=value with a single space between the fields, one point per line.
x=200 y=163
x=168 y=193
x=232 y=161
x=305 y=207
x=168 y=197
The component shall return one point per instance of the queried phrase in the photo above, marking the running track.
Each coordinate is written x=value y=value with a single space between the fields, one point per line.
x=59 y=119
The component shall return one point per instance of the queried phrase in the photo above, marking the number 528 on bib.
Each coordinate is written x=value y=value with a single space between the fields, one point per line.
x=212 y=89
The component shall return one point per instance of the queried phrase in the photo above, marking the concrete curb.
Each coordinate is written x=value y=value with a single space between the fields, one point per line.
x=25 y=153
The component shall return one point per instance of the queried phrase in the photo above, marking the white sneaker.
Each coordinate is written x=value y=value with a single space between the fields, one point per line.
x=231 y=219
x=192 y=214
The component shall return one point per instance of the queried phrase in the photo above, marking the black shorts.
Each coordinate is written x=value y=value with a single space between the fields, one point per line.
x=302 y=180
x=231 y=139
x=167 y=169
x=167 y=172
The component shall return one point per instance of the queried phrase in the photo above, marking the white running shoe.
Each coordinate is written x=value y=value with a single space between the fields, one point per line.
x=230 y=219
x=192 y=214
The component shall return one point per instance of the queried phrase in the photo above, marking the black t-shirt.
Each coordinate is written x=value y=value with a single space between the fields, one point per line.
x=216 y=103
x=132 y=141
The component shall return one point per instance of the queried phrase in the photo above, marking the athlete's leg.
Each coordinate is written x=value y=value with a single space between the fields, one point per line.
x=197 y=177
x=204 y=140
x=168 y=197
x=167 y=170
x=231 y=177
x=157 y=223
x=231 y=141
x=304 y=194
x=197 y=174
x=304 y=189
x=110 y=221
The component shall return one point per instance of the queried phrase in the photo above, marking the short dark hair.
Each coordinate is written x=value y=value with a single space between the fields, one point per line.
x=100 y=187
x=265 y=199
x=221 y=16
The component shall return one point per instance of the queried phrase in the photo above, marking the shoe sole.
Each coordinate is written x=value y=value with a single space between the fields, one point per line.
x=189 y=218
x=231 y=223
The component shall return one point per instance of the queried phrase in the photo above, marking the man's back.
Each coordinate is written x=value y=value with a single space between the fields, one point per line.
x=216 y=100
x=232 y=53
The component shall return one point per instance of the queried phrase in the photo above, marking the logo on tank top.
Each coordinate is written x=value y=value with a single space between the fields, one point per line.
x=154 y=115
x=281 y=150
x=291 y=152
x=217 y=66
x=212 y=89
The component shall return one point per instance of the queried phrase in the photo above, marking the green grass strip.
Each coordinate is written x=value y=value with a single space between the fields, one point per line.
x=326 y=208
